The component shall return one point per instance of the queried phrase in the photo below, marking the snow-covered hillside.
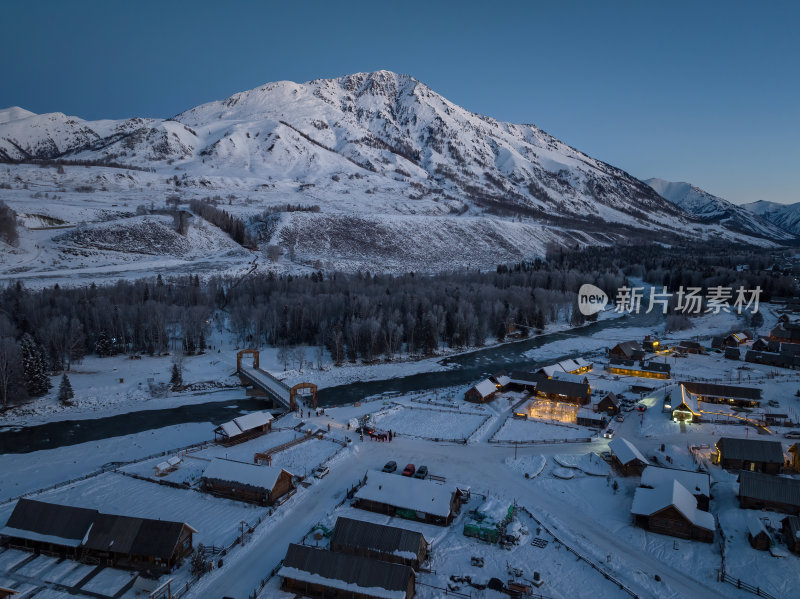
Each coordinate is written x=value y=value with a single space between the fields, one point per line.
x=785 y=216
x=399 y=177
x=712 y=209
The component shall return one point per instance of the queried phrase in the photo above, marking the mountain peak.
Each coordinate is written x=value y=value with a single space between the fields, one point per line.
x=14 y=113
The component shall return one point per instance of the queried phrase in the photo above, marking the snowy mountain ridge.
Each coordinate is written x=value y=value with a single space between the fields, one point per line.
x=399 y=177
x=712 y=209
x=785 y=216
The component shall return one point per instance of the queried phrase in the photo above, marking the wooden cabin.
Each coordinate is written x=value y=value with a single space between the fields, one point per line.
x=564 y=391
x=779 y=359
x=732 y=395
x=788 y=332
x=608 y=404
x=650 y=370
x=732 y=353
x=571 y=377
x=263 y=485
x=759 y=491
x=48 y=528
x=590 y=418
x=687 y=408
x=794 y=457
x=627 y=350
x=736 y=339
x=627 y=457
x=690 y=347
x=483 y=392
x=754 y=455
x=757 y=534
x=313 y=572
x=410 y=498
x=6 y=593
x=697 y=483
x=154 y=546
x=243 y=428
x=790 y=526
x=379 y=541
x=670 y=509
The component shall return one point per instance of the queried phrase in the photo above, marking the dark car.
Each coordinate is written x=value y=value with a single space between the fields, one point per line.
x=390 y=466
x=409 y=470
x=422 y=472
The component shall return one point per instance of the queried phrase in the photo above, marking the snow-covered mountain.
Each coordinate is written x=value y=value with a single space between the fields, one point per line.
x=712 y=209
x=400 y=177
x=785 y=216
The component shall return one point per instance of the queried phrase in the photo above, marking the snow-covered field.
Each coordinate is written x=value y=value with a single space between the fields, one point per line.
x=537 y=430
x=430 y=423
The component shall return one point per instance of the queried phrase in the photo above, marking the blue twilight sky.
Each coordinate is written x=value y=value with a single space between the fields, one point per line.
x=706 y=92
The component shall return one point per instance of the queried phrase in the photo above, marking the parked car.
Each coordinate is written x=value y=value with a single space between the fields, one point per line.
x=608 y=433
x=321 y=471
x=422 y=472
x=627 y=408
x=408 y=470
x=773 y=404
x=641 y=408
x=620 y=418
x=390 y=466
x=792 y=435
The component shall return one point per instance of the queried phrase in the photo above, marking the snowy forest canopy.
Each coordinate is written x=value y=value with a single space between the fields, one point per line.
x=353 y=316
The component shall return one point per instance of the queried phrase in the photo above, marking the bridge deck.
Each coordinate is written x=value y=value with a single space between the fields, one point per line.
x=268 y=383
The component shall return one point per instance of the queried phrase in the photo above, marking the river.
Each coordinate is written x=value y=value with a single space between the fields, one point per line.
x=461 y=369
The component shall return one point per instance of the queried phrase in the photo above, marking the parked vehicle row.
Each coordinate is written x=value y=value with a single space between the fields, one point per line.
x=409 y=470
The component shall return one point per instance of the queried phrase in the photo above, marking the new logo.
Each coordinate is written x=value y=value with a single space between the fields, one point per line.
x=591 y=299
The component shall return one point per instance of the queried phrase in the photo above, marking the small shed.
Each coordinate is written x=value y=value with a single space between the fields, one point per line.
x=755 y=455
x=379 y=541
x=590 y=418
x=757 y=534
x=790 y=526
x=671 y=509
x=313 y=572
x=411 y=498
x=482 y=392
x=243 y=428
x=263 y=485
x=627 y=456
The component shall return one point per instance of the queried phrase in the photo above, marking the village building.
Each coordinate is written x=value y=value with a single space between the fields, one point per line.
x=794 y=457
x=697 y=483
x=313 y=572
x=627 y=457
x=379 y=541
x=501 y=380
x=786 y=332
x=627 y=350
x=759 y=491
x=48 y=528
x=243 y=428
x=6 y=593
x=670 y=509
x=757 y=534
x=717 y=342
x=264 y=485
x=651 y=344
x=781 y=360
x=690 y=347
x=523 y=381
x=484 y=391
x=90 y=536
x=590 y=418
x=650 y=370
x=410 y=498
x=762 y=344
x=137 y=543
x=571 y=377
x=733 y=395
x=564 y=391
x=608 y=404
x=687 y=408
x=735 y=339
x=755 y=455
x=790 y=526
x=732 y=353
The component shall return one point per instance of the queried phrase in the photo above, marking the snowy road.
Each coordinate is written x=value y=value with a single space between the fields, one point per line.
x=481 y=467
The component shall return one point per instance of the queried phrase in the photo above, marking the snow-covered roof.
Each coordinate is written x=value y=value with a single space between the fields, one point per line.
x=755 y=526
x=407 y=493
x=242 y=424
x=174 y=460
x=260 y=477
x=697 y=483
x=486 y=388
x=503 y=380
x=20 y=533
x=647 y=502
x=568 y=376
x=551 y=369
x=626 y=451
x=689 y=400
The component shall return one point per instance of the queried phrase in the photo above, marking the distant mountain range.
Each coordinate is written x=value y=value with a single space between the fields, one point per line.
x=403 y=178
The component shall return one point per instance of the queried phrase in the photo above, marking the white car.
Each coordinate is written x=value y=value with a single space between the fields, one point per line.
x=792 y=435
x=608 y=433
x=321 y=472
x=620 y=418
